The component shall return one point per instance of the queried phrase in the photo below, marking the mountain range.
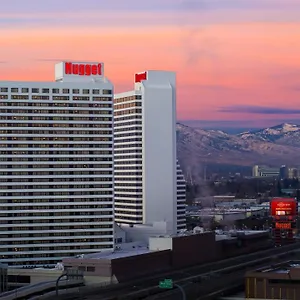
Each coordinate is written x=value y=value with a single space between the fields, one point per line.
x=272 y=146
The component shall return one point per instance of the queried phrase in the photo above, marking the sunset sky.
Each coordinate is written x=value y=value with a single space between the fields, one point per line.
x=237 y=61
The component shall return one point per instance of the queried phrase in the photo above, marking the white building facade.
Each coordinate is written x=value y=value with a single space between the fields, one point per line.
x=149 y=185
x=56 y=166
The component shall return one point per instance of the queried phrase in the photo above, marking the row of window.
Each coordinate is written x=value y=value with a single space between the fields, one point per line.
x=57 y=173
x=52 y=213
x=57 y=104
x=61 y=132
x=43 y=185
x=53 y=226
x=127 y=105
x=126 y=146
x=39 y=197
x=107 y=218
x=53 y=153
x=128 y=112
x=56 y=111
x=59 y=139
x=53 y=195
x=119 y=119
x=58 y=166
x=53 y=179
x=125 y=219
x=120 y=212
x=51 y=146
x=125 y=129
x=130 y=201
x=129 y=167
x=25 y=206
x=135 y=184
x=54 y=91
x=122 y=124
x=139 y=133
x=128 y=162
x=62 y=139
x=128 y=98
x=59 y=125
x=51 y=118
x=128 y=196
x=127 y=151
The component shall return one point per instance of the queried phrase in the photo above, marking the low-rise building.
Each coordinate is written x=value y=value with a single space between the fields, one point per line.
x=280 y=281
x=265 y=171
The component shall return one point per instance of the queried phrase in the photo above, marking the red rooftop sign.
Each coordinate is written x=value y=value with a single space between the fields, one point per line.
x=140 y=77
x=83 y=69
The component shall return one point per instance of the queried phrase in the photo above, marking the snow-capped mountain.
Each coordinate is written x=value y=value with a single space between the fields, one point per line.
x=274 y=146
x=283 y=134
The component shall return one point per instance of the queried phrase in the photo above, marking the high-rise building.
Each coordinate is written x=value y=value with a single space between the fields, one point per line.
x=149 y=185
x=56 y=166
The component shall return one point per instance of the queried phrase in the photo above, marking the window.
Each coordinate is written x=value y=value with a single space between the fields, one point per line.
x=90 y=269
x=284 y=281
x=85 y=91
x=25 y=90
x=45 y=91
x=66 y=91
x=4 y=90
x=75 y=91
x=55 y=91
x=35 y=90
x=14 y=90
x=96 y=92
x=86 y=98
x=107 y=92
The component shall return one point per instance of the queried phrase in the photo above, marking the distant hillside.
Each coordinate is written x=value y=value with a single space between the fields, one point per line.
x=273 y=146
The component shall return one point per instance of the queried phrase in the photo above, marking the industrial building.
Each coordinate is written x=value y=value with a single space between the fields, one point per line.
x=149 y=184
x=56 y=166
x=284 y=172
x=264 y=171
x=281 y=281
x=165 y=253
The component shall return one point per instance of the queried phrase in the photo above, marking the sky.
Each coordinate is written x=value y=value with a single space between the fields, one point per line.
x=237 y=61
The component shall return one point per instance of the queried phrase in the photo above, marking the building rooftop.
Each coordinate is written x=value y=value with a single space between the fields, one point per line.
x=121 y=250
x=233 y=234
x=283 y=268
x=222 y=211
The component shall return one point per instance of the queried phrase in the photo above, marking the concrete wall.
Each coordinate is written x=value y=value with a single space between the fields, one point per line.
x=142 y=232
x=120 y=234
x=128 y=268
x=90 y=267
x=160 y=243
x=193 y=249
x=243 y=245
x=36 y=275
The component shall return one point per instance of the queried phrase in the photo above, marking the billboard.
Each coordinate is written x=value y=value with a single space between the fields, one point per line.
x=283 y=207
x=280 y=225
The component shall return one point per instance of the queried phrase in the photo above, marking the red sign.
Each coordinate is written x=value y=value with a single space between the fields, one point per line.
x=283 y=207
x=140 y=77
x=83 y=69
x=283 y=225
